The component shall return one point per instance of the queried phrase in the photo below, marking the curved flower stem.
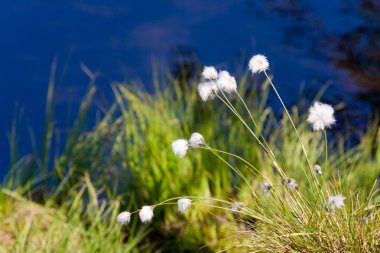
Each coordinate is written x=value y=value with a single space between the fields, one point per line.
x=253 y=168
x=291 y=121
x=192 y=197
x=326 y=154
x=189 y=197
x=255 y=124
x=244 y=123
x=237 y=171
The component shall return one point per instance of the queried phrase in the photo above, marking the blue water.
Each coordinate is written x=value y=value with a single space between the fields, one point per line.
x=122 y=40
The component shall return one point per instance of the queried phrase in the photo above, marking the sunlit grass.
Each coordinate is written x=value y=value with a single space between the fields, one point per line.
x=125 y=162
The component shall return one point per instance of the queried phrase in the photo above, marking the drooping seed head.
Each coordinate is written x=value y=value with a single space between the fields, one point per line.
x=180 y=147
x=146 y=214
x=196 y=140
x=183 y=204
x=124 y=218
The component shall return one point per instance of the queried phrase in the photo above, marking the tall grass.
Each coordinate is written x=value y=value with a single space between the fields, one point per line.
x=125 y=161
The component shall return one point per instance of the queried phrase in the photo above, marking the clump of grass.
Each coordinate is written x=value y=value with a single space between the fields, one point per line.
x=125 y=162
x=81 y=223
x=308 y=217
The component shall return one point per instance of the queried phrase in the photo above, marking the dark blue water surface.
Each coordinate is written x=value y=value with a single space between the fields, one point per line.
x=308 y=42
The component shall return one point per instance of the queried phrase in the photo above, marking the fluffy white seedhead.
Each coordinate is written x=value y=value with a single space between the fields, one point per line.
x=321 y=116
x=317 y=169
x=124 y=218
x=180 y=147
x=207 y=90
x=335 y=202
x=196 y=140
x=226 y=82
x=265 y=187
x=258 y=63
x=183 y=205
x=210 y=73
x=146 y=214
x=237 y=206
x=292 y=183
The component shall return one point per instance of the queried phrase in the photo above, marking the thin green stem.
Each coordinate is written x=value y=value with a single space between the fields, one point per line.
x=291 y=121
x=255 y=170
x=242 y=120
x=255 y=124
x=326 y=147
x=237 y=171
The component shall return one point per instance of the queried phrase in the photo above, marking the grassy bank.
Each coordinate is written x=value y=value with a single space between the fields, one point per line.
x=125 y=161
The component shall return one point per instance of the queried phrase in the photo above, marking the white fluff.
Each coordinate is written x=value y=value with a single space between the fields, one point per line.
x=292 y=184
x=196 y=140
x=258 y=63
x=318 y=169
x=321 y=116
x=265 y=187
x=146 y=214
x=124 y=218
x=207 y=90
x=237 y=206
x=336 y=202
x=183 y=205
x=210 y=73
x=226 y=82
x=179 y=147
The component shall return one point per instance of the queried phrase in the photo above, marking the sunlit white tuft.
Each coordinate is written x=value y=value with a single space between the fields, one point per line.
x=207 y=90
x=179 y=147
x=317 y=169
x=146 y=214
x=196 y=140
x=210 y=73
x=336 y=201
x=124 y=218
x=292 y=184
x=258 y=63
x=226 y=82
x=183 y=205
x=321 y=116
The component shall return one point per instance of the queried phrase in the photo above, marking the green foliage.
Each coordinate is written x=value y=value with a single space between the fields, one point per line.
x=125 y=161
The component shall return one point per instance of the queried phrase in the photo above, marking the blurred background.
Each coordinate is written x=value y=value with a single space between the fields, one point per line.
x=310 y=44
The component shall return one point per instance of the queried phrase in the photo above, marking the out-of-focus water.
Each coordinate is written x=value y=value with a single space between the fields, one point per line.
x=335 y=42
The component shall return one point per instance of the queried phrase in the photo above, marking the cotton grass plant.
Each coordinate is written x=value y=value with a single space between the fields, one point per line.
x=280 y=214
x=240 y=190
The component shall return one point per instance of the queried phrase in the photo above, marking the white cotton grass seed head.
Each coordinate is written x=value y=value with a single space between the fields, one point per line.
x=335 y=202
x=196 y=140
x=265 y=187
x=292 y=183
x=207 y=90
x=258 y=63
x=183 y=204
x=210 y=73
x=123 y=218
x=321 y=116
x=226 y=82
x=146 y=214
x=317 y=169
x=237 y=206
x=180 y=147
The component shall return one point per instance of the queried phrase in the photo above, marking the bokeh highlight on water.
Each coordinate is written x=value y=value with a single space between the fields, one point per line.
x=308 y=42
